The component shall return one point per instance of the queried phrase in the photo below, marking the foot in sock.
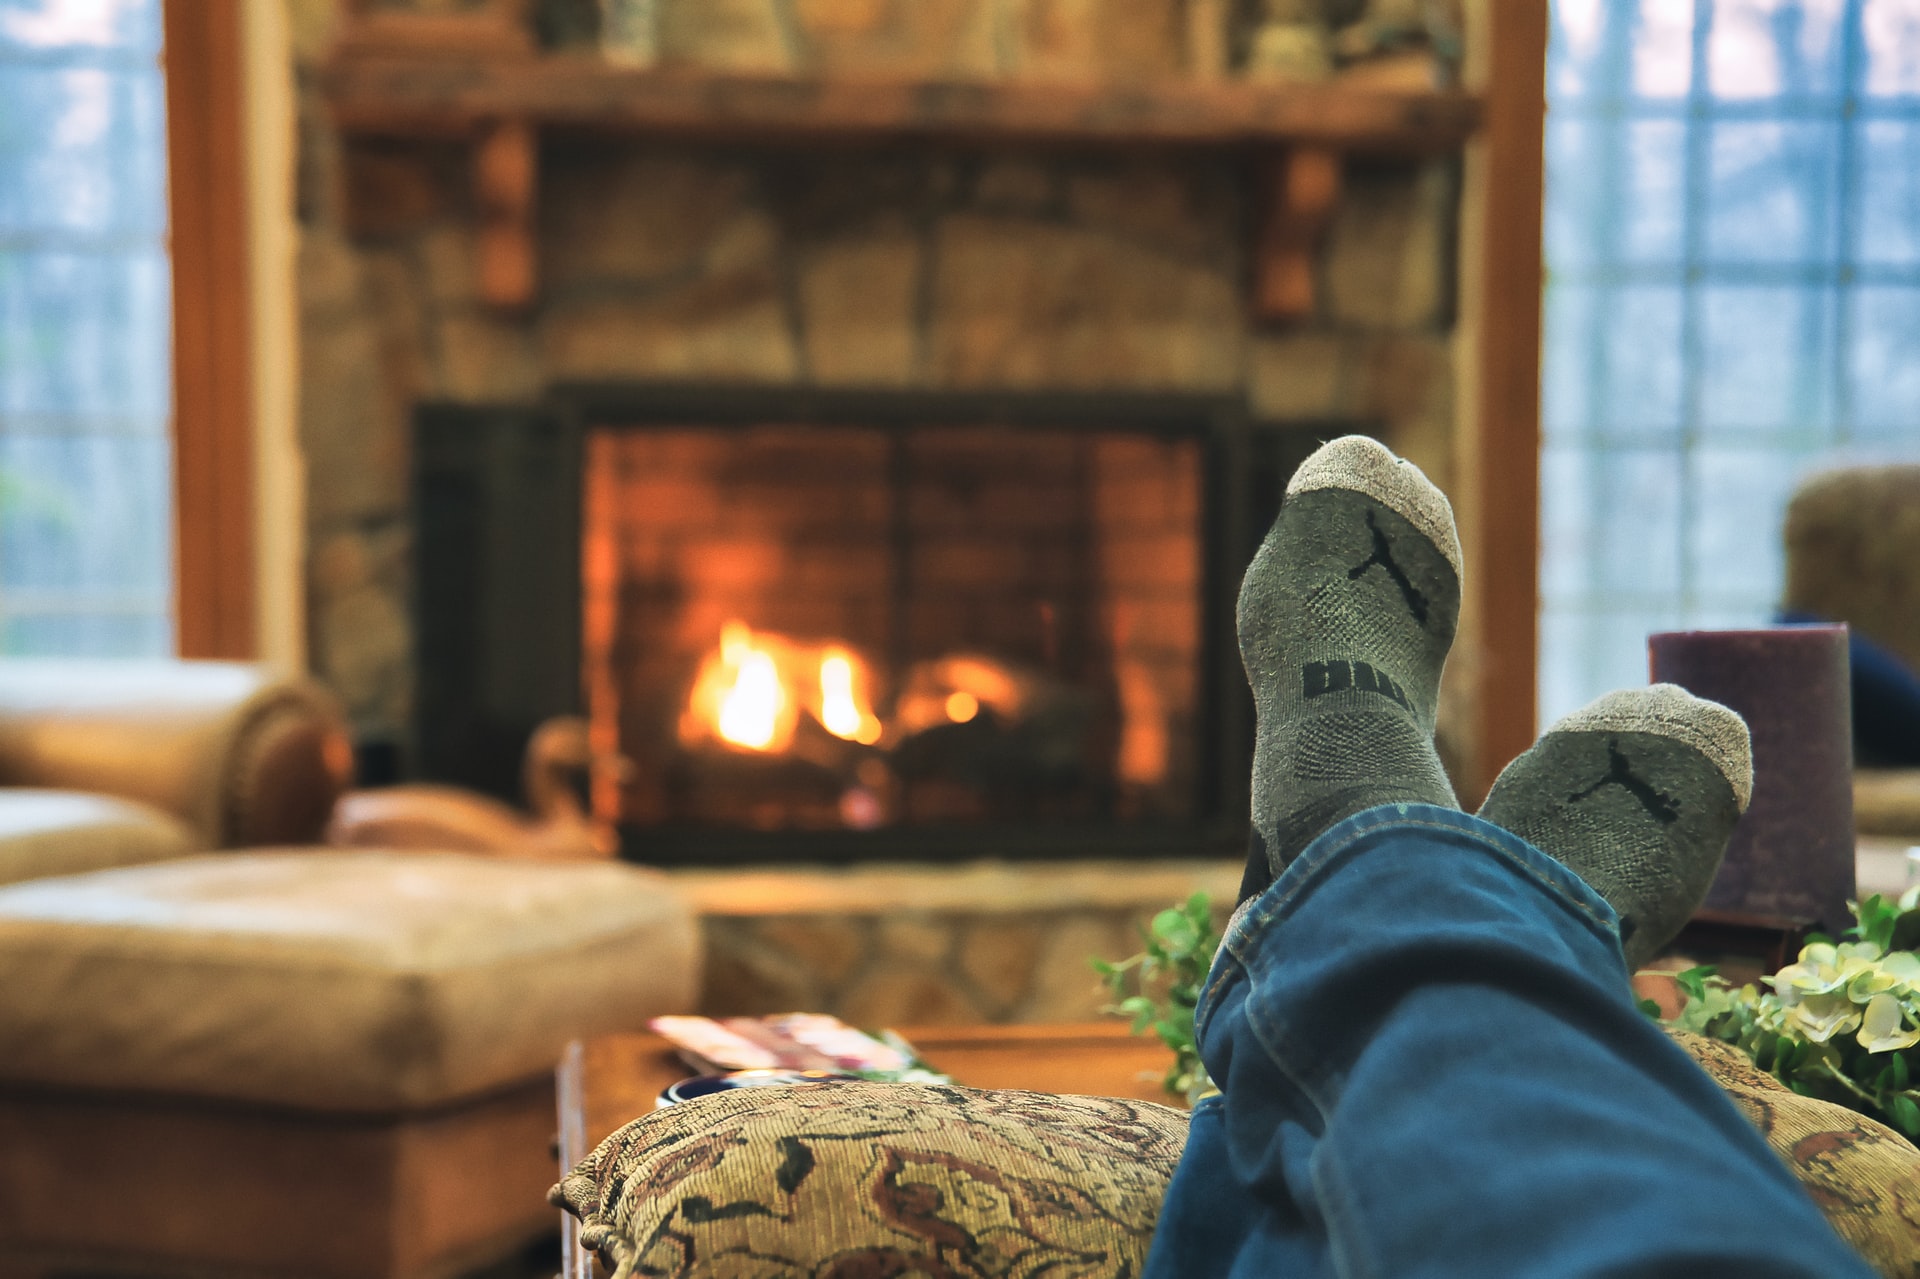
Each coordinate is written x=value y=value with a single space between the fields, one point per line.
x=1637 y=794
x=1346 y=616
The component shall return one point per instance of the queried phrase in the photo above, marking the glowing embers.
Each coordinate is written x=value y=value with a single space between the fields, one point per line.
x=753 y=688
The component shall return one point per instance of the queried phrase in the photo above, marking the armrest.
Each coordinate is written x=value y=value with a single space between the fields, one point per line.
x=244 y=756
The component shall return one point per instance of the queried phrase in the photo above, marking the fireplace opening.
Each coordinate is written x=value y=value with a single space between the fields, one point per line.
x=826 y=627
x=836 y=627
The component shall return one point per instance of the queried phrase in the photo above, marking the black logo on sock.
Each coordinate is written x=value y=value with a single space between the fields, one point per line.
x=1663 y=808
x=1383 y=556
x=1317 y=679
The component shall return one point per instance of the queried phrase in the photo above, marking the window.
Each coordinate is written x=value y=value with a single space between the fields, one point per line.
x=85 y=380
x=1733 y=299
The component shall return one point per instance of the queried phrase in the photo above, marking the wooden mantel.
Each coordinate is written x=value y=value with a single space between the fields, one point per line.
x=500 y=102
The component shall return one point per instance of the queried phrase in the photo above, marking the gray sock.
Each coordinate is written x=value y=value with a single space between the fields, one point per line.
x=1346 y=616
x=1636 y=793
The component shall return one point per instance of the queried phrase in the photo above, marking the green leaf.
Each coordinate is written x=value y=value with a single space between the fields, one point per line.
x=1899 y=1071
x=1906 y=1115
x=1694 y=980
x=1650 y=1009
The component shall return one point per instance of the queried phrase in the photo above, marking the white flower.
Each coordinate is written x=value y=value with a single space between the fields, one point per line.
x=1905 y=967
x=1820 y=1017
x=1882 y=1028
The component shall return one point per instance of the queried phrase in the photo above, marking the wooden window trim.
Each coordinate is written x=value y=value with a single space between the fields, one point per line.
x=212 y=330
x=1503 y=457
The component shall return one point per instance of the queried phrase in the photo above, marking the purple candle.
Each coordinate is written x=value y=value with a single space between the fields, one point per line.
x=1792 y=854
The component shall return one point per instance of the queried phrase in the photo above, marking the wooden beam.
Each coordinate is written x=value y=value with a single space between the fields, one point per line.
x=505 y=172
x=1302 y=192
x=212 y=331
x=1503 y=551
x=394 y=94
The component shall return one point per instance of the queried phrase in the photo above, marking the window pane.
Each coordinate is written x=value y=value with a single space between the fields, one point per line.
x=85 y=331
x=1662 y=44
x=1892 y=37
x=1884 y=364
x=1612 y=362
x=126 y=26
x=1888 y=223
x=1765 y=48
x=1770 y=191
x=1638 y=333
x=80 y=149
x=85 y=334
x=1764 y=355
x=1739 y=501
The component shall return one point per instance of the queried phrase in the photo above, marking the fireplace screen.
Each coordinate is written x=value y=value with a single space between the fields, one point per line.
x=828 y=628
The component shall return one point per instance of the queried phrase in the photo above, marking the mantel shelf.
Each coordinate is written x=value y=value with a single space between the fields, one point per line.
x=396 y=94
x=500 y=102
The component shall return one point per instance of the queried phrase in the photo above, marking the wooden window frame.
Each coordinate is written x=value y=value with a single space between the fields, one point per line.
x=1502 y=449
x=212 y=330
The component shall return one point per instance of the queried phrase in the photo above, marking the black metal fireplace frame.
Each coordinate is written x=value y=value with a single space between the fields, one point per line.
x=497 y=508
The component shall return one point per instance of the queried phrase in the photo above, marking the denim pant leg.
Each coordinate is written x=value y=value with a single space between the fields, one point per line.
x=1431 y=1064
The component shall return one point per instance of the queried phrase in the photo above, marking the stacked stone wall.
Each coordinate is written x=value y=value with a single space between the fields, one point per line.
x=906 y=267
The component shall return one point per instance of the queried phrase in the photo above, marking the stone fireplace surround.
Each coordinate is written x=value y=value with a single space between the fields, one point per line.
x=887 y=266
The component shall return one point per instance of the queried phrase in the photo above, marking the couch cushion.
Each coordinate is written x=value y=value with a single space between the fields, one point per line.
x=357 y=981
x=55 y=832
x=880 y=1179
x=1863 y=1174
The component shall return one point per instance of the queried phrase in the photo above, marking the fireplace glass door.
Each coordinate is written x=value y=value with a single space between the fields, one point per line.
x=817 y=627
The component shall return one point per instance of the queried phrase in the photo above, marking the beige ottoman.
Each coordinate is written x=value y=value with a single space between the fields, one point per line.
x=301 y=1062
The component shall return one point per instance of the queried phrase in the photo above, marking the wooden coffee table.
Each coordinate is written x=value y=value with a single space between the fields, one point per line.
x=608 y=1082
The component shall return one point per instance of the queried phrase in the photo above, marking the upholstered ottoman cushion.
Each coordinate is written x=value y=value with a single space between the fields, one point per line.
x=347 y=981
x=880 y=1179
x=57 y=832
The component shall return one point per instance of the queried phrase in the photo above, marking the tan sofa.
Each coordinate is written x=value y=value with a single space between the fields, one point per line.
x=108 y=764
x=218 y=1058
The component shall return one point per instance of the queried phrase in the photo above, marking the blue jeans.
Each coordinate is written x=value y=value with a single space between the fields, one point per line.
x=1431 y=1064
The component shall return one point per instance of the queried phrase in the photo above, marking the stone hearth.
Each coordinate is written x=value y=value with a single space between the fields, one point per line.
x=892 y=945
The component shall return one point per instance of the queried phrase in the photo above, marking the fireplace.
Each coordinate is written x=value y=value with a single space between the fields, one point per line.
x=833 y=626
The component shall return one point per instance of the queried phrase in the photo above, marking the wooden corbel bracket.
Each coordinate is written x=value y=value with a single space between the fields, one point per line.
x=1302 y=191
x=506 y=158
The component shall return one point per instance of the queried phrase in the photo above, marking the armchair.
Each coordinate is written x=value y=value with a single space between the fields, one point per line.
x=1853 y=556
x=108 y=764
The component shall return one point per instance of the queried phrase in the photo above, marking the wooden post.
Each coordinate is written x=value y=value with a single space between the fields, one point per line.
x=212 y=331
x=1303 y=188
x=1501 y=456
x=505 y=177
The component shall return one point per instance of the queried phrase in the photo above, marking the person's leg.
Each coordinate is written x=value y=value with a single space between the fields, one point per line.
x=1430 y=1060
x=1431 y=1065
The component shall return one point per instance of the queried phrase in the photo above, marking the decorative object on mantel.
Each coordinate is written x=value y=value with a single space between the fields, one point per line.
x=630 y=31
x=1412 y=43
x=450 y=819
x=1792 y=855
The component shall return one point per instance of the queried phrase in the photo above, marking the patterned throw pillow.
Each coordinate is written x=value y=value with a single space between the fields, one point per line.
x=1863 y=1174
x=865 y=1180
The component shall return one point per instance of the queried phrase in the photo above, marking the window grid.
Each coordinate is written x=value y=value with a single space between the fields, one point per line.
x=1699 y=364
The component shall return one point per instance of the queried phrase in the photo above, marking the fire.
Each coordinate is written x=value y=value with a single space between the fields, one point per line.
x=750 y=710
x=842 y=711
x=751 y=690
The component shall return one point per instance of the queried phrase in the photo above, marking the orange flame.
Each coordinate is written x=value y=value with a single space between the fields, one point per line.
x=843 y=710
x=750 y=691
